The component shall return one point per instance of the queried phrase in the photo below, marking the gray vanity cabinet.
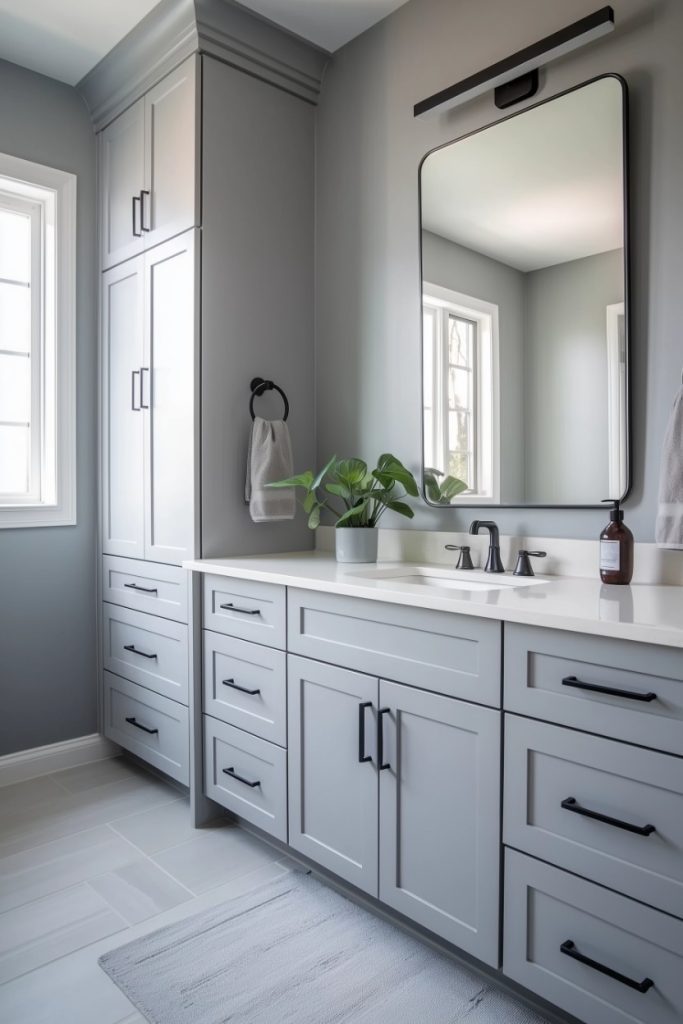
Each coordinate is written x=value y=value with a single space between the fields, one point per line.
x=397 y=790
x=333 y=793
x=439 y=816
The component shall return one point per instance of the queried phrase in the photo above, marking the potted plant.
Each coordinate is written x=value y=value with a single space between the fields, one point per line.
x=357 y=498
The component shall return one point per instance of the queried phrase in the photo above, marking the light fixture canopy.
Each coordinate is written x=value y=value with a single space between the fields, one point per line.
x=521 y=64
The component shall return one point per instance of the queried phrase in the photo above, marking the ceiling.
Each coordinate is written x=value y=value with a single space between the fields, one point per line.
x=538 y=189
x=64 y=39
x=327 y=23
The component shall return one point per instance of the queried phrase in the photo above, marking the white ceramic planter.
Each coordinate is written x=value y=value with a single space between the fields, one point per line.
x=356 y=543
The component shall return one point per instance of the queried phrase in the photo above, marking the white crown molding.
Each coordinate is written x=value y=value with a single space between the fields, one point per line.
x=29 y=764
x=174 y=30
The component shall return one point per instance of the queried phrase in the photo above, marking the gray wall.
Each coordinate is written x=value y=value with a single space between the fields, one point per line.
x=565 y=378
x=257 y=294
x=368 y=151
x=47 y=575
x=454 y=266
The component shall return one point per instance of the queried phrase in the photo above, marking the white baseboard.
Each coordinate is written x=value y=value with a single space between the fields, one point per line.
x=29 y=764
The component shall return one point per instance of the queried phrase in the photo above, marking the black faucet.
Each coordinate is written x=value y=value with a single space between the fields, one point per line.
x=493 y=562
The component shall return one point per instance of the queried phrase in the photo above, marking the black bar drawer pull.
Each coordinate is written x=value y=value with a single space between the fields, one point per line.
x=362 y=756
x=137 y=201
x=243 y=611
x=143 y=590
x=569 y=949
x=143 y=654
x=613 y=691
x=133 y=375
x=233 y=775
x=131 y=721
x=242 y=689
x=144 y=220
x=380 y=739
x=570 y=804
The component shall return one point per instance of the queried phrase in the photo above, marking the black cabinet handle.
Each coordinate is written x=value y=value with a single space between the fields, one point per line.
x=143 y=371
x=242 y=689
x=133 y=375
x=143 y=654
x=233 y=775
x=144 y=221
x=136 y=205
x=362 y=756
x=380 y=739
x=243 y=611
x=613 y=691
x=131 y=721
x=570 y=804
x=143 y=590
x=569 y=949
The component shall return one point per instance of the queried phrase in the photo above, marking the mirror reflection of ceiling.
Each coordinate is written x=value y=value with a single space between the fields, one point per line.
x=557 y=194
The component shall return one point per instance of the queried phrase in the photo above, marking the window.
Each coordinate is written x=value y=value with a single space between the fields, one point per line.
x=37 y=345
x=460 y=390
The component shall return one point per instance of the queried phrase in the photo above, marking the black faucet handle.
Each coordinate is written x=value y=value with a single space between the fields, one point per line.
x=524 y=567
x=465 y=558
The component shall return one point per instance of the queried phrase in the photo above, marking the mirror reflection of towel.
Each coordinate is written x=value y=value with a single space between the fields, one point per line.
x=669 y=527
x=269 y=459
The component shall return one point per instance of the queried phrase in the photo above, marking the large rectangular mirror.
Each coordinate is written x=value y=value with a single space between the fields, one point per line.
x=524 y=307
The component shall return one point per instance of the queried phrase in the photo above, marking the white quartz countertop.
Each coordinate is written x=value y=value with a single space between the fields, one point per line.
x=642 y=612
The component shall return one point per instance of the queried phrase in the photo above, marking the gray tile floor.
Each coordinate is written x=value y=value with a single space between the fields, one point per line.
x=90 y=858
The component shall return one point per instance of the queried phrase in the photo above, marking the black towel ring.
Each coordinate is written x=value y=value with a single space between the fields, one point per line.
x=258 y=387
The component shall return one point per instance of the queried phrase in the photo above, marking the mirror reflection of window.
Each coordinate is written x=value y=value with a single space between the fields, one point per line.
x=523 y=255
x=460 y=382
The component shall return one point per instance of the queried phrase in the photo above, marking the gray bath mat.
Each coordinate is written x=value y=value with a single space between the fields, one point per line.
x=296 y=952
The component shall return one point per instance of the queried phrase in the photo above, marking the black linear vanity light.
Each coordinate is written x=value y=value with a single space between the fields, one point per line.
x=516 y=77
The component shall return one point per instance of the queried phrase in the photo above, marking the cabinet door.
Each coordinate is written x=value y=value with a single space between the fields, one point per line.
x=169 y=376
x=440 y=816
x=122 y=311
x=122 y=176
x=332 y=792
x=169 y=198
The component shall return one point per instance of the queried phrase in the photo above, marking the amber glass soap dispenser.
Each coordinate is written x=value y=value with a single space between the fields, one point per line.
x=616 y=549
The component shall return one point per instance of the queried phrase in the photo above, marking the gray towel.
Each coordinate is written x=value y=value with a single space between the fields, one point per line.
x=269 y=459
x=669 y=528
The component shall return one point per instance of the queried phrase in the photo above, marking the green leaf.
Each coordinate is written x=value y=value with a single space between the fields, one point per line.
x=356 y=513
x=315 y=484
x=302 y=480
x=309 y=502
x=401 y=508
x=351 y=472
x=389 y=467
x=451 y=487
x=314 y=518
x=339 y=489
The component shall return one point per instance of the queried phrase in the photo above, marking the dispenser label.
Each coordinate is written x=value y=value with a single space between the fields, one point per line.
x=609 y=555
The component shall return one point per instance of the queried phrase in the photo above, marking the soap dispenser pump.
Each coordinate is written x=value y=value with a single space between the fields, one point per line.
x=616 y=548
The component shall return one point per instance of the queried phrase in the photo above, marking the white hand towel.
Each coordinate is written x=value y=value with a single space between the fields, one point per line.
x=669 y=527
x=269 y=459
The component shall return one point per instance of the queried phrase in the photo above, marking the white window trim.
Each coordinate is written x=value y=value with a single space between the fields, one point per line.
x=486 y=315
x=26 y=176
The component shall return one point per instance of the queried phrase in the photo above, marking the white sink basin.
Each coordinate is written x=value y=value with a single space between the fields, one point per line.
x=448 y=579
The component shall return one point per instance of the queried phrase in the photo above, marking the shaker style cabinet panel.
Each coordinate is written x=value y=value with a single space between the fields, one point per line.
x=149 y=380
x=333 y=793
x=147 y=168
x=123 y=525
x=439 y=815
x=122 y=178
x=168 y=387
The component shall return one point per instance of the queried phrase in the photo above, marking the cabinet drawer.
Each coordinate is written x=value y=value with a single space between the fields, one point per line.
x=451 y=654
x=547 y=766
x=147 y=650
x=547 y=670
x=546 y=909
x=245 y=609
x=247 y=775
x=154 y=728
x=146 y=586
x=246 y=685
